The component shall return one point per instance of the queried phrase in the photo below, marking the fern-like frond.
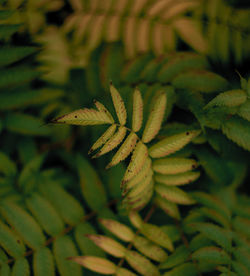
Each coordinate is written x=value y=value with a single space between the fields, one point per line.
x=226 y=29
x=150 y=240
x=238 y=130
x=144 y=25
x=42 y=211
x=139 y=178
x=228 y=98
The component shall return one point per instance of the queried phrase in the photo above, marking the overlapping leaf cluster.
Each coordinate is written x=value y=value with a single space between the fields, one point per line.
x=170 y=112
x=144 y=174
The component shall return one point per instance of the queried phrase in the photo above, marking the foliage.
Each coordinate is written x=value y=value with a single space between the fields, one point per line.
x=165 y=78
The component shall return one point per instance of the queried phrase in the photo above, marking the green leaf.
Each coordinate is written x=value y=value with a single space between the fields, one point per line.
x=157 y=235
x=179 y=63
x=65 y=204
x=215 y=216
x=86 y=246
x=18 y=75
x=244 y=110
x=212 y=202
x=141 y=264
x=10 y=55
x=10 y=241
x=212 y=254
x=215 y=233
x=202 y=81
x=187 y=269
x=149 y=249
x=21 y=268
x=26 y=125
x=6 y=30
x=240 y=269
x=24 y=224
x=91 y=186
x=199 y=241
x=22 y=97
x=5 y=270
x=29 y=176
x=215 y=166
x=63 y=248
x=238 y=130
x=242 y=256
x=7 y=166
x=27 y=149
x=4 y=14
x=131 y=74
x=43 y=263
x=179 y=256
x=229 y=98
x=45 y=214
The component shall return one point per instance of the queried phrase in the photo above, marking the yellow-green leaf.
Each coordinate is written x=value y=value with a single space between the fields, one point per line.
x=84 y=117
x=174 y=194
x=155 y=118
x=104 y=138
x=119 y=105
x=137 y=111
x=108 y=245
x=113 y=142
x=124 y=151
x=141 y=264
x=137 y=161
x=118 y=229
x=168 y=207
x=172 y=144
x=103 y=109
x=138 y=177
x=177 y=179
x=96 y=264
x=174 y=165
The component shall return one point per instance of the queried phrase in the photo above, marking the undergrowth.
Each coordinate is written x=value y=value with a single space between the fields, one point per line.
x=158 y=94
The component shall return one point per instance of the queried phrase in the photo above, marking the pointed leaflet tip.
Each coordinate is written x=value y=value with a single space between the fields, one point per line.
x=90 y=151
x=57 y=120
